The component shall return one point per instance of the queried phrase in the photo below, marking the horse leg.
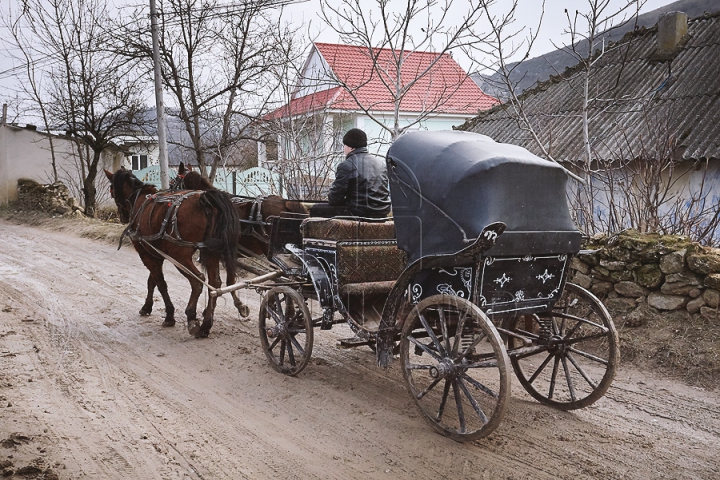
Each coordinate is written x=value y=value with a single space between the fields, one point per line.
x=243 y=310
x=195 y=277
x=157 y=279
x=148 y=305
x=213 y=273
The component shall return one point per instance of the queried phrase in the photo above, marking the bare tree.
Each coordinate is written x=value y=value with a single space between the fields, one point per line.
x=644 y=186
x=215 y=61
x=307 y=165
x=32 y=87
x=586 y=28
x=302 y=139
x=88 y=90
x=626 y=186
x=390 y=35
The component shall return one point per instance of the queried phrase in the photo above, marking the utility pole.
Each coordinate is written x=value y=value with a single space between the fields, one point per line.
x=159 y=106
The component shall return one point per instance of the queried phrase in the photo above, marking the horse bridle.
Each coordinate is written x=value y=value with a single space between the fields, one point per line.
x=130 y=204
x=176 y=185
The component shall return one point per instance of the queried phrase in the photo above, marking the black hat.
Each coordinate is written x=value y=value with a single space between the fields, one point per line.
x=355 y=138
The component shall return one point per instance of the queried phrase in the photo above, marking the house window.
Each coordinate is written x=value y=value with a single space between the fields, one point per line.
x=139 y=162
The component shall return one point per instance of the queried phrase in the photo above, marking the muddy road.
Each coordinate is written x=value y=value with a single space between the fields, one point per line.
x=90 y=389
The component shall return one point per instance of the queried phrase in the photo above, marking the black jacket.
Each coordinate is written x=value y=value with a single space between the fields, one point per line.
x=361 y=183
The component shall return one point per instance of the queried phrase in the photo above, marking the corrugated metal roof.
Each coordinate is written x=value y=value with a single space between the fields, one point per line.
x=631 y=84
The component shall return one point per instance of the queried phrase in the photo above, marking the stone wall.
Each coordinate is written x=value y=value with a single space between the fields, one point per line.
x=639 y=276
x=53 y=198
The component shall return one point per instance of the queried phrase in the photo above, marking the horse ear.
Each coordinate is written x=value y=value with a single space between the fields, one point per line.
x=181 y=168
x=109 y=175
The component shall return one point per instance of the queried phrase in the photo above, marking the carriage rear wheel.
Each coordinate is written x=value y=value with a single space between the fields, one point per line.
x=570 y=353
x=286 y=331
x=455 y=367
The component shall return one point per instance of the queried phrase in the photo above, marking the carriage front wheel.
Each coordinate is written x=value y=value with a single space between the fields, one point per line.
x=286 y=331
x=567 y=356
x=455 y=367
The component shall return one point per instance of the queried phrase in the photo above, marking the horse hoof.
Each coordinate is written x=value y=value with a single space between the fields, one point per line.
x=194 y=327
x=169 y=322
x=145 y=312
x=244 y=311
x=202 y=334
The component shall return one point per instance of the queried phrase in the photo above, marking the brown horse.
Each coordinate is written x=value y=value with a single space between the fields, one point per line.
x=253 y=212
x=173 y=225
x=188 y=179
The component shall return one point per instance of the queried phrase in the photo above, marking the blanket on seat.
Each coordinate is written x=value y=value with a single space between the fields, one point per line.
x=346 y=229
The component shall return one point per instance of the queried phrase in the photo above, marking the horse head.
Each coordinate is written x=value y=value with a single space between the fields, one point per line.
x=188 y=179
x=125 y=189
x=178 y=183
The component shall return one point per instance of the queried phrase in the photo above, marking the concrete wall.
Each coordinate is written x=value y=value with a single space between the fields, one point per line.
x=25 y=153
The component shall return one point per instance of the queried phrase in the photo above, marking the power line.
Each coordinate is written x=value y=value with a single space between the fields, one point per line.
x=218 y=10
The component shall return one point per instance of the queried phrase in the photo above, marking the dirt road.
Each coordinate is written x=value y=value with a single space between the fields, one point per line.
x=90 y=389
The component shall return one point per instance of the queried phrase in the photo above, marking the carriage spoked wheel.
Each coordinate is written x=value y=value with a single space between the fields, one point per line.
x=455 y=367
x=286 y=331
x=570 y=353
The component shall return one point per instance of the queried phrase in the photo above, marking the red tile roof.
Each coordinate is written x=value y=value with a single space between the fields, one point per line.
x=447 y=89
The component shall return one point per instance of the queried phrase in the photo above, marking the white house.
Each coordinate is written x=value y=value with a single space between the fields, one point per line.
x=336 y=79
x=339 y=88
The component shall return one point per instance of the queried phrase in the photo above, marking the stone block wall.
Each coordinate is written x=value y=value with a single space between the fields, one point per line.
x=638 y=276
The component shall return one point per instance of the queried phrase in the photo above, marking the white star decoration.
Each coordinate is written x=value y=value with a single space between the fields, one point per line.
x=545 y=276
x=502 y=280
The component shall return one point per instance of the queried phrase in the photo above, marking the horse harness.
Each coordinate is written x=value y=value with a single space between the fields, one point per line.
x=254 y=220
x=173 y=201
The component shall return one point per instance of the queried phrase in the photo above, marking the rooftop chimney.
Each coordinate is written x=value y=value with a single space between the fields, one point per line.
x=672 y=27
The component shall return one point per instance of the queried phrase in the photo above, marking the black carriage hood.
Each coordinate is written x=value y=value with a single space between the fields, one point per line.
x=442 y=182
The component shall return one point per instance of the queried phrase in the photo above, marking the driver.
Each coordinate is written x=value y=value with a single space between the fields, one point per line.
x=361 y=185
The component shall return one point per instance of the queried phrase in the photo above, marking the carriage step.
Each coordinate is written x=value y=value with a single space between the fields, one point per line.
x=353 y=342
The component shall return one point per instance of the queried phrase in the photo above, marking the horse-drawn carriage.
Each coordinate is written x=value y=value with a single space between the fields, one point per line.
x=466 y=281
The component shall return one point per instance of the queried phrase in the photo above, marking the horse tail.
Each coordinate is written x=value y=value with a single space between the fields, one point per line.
x=223 y=228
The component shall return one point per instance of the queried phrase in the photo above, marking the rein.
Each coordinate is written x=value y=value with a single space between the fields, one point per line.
x=176 y=263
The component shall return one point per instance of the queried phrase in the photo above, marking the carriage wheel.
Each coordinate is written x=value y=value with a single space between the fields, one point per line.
x=455 y=367
x=574 y=364
x=286 y=330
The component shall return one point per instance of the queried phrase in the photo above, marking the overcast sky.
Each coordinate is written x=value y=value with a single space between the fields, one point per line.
x=306 y=13
x=554 y=20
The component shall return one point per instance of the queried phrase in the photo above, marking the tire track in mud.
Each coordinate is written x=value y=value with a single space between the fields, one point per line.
x=129 y=399
x=69 y=365
x=225 y=434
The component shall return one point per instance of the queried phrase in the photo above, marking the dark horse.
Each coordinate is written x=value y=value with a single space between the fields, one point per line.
x=253 y=212
x=173 y=225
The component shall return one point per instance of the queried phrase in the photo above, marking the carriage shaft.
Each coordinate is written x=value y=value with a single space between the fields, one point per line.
x=245 y=284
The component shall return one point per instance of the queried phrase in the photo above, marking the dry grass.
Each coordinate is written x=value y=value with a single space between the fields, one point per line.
x=106 y=229
x=679 y=346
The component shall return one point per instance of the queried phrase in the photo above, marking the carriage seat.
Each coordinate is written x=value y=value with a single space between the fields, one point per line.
x=345 y=229
x=366 y=252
